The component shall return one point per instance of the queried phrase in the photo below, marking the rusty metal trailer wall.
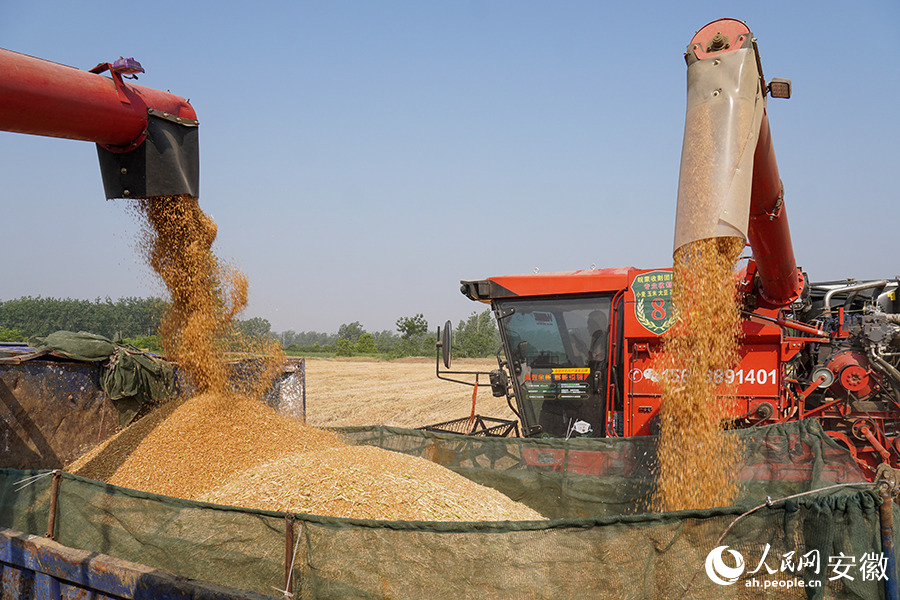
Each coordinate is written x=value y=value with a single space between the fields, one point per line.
x=51 y=412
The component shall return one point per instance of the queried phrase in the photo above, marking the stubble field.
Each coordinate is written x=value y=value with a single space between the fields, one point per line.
x=400 y=393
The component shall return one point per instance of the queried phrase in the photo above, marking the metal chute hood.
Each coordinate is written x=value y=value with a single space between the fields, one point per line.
x=728 y=183
x=724 y=110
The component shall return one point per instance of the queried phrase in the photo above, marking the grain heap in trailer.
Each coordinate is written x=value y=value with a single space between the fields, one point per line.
x=147 y=144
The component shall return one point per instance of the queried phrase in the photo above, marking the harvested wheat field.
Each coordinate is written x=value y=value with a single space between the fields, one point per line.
x=399 y=393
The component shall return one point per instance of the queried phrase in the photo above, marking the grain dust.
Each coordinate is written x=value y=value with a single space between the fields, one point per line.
x=206 y=295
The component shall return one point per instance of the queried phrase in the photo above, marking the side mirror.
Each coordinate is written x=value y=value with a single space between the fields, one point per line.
x=499 y=383
x=444 y=344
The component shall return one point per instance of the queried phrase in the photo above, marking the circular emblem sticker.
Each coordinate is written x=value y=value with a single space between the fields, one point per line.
x=653 y=300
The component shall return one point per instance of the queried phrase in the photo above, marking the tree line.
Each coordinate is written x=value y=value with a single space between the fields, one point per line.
x=474 y=337
x=127 y=317
x=137 y=320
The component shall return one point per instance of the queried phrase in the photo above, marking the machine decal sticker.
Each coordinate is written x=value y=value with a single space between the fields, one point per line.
x=571 y=374
x=558 y=384
x=653 y=300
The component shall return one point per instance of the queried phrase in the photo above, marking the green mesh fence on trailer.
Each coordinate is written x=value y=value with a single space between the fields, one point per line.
x=614 y=476
x=834 y=533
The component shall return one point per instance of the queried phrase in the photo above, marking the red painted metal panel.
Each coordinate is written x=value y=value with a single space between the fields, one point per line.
x=566 y=282
x=734 y=31
x=754 y=380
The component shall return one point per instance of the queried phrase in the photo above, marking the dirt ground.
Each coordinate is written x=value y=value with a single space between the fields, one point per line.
x=406 y=393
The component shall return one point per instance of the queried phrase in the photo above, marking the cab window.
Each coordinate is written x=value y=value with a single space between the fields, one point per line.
x=558 y=350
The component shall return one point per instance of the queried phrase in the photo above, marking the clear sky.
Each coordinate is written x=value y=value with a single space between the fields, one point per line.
x=360 y=158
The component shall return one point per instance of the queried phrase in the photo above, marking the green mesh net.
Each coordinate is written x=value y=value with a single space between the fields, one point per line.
x=822 y=543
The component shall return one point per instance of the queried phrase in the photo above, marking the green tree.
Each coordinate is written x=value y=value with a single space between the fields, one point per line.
x=150 y=343
x=414 y=339
x=130 y=317
x=308 y=338
x=256 y=327
x=477 y=336
x=344 y=348
x=350 y=332
x=414 y=326
x=385 y=341
x=10 y=335
x=366 y=344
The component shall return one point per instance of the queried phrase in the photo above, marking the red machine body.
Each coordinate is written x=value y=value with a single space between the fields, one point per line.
x=146 y=138
x=579 y=346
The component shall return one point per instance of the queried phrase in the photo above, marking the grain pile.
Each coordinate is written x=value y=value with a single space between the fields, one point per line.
x=226 y=445
x=696 y=459
x=364 y=482
x=186 y=449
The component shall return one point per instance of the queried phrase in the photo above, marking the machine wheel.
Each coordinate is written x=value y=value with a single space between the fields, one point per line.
x=843 y=440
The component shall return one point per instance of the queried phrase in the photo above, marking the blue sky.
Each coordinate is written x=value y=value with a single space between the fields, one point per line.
x=360 y=158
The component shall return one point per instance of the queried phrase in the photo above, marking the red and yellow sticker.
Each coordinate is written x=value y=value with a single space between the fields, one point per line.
x=568 y=374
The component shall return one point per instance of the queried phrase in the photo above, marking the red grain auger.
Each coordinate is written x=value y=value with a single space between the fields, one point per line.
x=147 y=140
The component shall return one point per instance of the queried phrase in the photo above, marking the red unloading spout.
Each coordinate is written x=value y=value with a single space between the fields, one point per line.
x=780 y=281
x=147 y=140
x=729 y=184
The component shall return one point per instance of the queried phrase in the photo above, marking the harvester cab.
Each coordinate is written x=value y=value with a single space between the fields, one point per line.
x=558 y=348
x=579 y=348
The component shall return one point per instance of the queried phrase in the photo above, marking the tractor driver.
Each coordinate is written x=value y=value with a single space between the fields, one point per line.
x=598 y=326
x=559 y=416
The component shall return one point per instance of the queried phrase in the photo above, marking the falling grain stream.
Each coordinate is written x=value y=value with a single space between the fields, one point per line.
x=697 y=460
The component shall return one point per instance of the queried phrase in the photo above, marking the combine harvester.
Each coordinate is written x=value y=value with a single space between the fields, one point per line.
x=812 y=351
x=579 y=345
